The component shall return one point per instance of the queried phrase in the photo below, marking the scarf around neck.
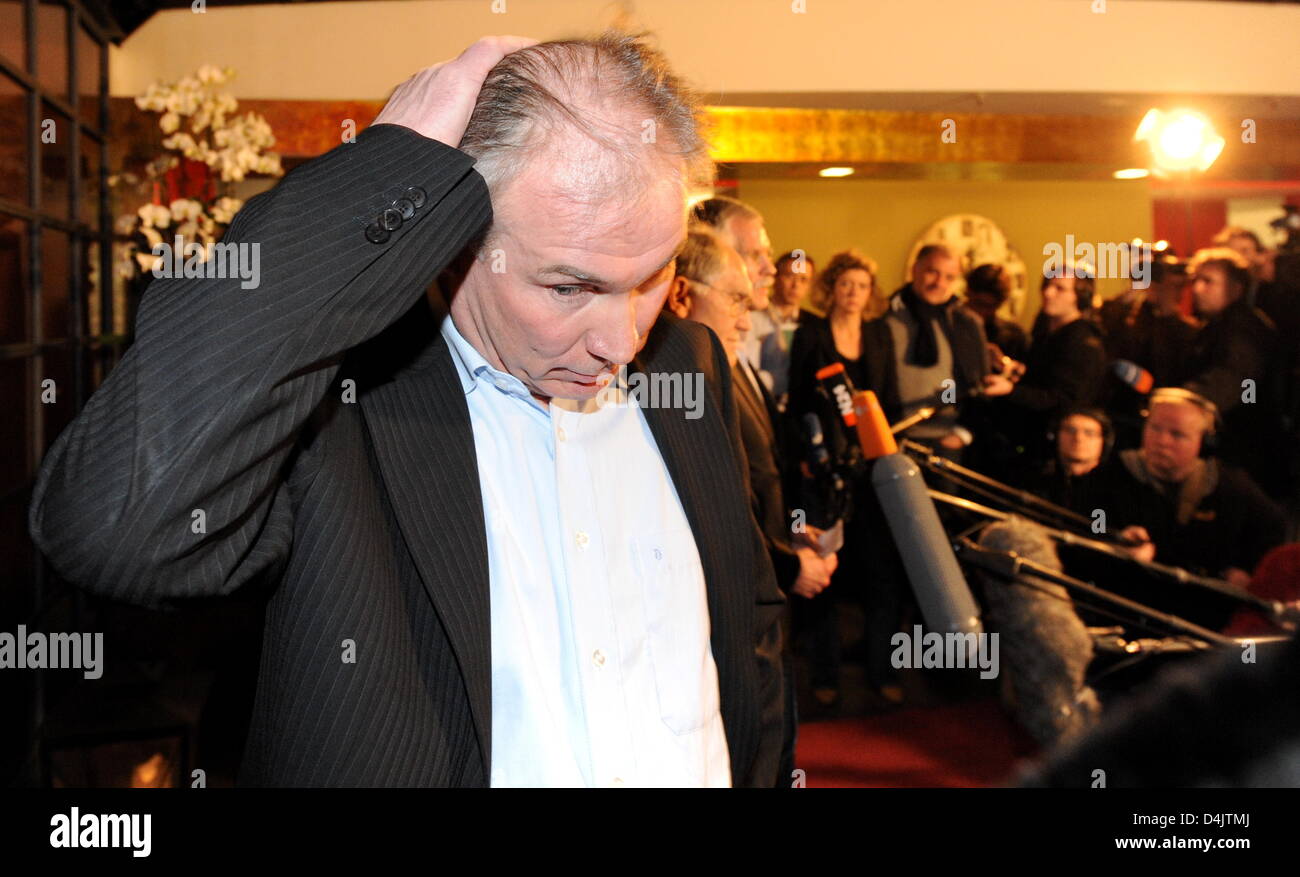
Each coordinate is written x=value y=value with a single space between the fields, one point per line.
x=923 y=350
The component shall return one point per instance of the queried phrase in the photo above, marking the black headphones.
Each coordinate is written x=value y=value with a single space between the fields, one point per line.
x=1209 y=438
x=1107 y=427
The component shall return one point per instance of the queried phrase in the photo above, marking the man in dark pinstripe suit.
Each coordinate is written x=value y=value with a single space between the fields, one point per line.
x=320 y=432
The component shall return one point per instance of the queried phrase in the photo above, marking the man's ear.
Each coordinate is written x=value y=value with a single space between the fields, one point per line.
x=679 y=297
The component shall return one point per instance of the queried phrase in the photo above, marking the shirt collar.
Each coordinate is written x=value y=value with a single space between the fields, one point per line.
x=473 y=369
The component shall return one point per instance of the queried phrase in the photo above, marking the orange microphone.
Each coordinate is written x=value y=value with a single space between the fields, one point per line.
x=874 y=433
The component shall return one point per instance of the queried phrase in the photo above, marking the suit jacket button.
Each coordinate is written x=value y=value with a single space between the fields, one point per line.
x=376 y=235
x=417 y=196
x=390 y=219
x=405 y=206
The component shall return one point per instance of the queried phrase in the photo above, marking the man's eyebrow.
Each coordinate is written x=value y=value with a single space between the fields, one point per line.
x=588 y=277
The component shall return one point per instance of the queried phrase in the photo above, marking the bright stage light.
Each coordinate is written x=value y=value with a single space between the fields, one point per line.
x=1180 y=140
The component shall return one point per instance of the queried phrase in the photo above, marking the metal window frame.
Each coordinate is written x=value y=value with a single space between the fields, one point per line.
x=48 y=593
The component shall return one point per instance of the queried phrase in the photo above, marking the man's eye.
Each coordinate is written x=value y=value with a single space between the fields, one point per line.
x=568 y=291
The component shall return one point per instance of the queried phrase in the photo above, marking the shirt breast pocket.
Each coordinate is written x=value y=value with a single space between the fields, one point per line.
x=677 y=628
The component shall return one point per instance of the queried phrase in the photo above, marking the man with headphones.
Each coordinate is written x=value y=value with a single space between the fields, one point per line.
x=1076 y=476
x=1186 y=508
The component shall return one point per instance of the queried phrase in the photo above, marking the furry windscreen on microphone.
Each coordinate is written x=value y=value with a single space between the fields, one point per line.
x=1046 y=648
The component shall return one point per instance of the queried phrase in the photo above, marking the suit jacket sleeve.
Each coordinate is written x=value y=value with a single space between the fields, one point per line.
x=769 y=604
x=171 y=481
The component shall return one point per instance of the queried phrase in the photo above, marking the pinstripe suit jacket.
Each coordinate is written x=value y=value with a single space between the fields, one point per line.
x=312 y=434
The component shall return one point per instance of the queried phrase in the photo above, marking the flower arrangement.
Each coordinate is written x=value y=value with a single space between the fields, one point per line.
x=207 y=147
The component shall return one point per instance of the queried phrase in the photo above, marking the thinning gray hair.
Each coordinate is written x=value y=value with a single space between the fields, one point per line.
x=585 y=86
x=703 y=257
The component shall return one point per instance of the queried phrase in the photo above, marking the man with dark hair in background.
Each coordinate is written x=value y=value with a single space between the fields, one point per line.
x=1075 y=476
x=539 y=589
x=774 y=328
x=987 y=289
x=1065 y=366
x=1145 y=326
x=1234 y=363
x=1246 y=243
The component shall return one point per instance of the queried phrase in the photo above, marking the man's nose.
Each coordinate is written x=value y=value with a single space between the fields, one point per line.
x=615 y=337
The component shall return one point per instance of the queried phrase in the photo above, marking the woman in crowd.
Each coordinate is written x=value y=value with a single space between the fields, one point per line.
x=844 y=290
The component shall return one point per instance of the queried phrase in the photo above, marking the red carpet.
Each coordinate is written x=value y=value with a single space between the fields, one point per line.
x=967 y=744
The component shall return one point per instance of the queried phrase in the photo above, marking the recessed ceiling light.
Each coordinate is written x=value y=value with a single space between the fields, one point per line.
x=835 y=172
x=1131 y=173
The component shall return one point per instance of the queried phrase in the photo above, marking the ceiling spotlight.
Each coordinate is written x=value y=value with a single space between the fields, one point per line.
x=835 y=172
x=1131 y=173
x=1180 y=140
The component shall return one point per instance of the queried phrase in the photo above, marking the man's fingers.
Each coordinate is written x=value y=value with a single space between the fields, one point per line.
x=483 y=55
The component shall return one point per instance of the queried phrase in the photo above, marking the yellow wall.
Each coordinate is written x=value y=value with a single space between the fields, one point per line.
x=360 y=50
x=884 y=218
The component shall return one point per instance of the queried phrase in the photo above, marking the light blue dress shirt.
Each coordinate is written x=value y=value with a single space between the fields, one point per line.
x=602 y=670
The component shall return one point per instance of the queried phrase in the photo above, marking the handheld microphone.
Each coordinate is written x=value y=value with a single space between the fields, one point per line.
x=1133 y=376
x=835 y=383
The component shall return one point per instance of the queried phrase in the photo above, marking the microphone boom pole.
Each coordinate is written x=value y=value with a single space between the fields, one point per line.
x=1273 y=608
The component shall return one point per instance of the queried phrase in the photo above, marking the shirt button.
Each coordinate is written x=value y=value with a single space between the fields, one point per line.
x=582 y=539
x=598 y=658
x=559 y=433
x=617 y=782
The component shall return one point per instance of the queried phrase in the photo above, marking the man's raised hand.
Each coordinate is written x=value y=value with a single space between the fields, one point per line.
x=438 y=101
